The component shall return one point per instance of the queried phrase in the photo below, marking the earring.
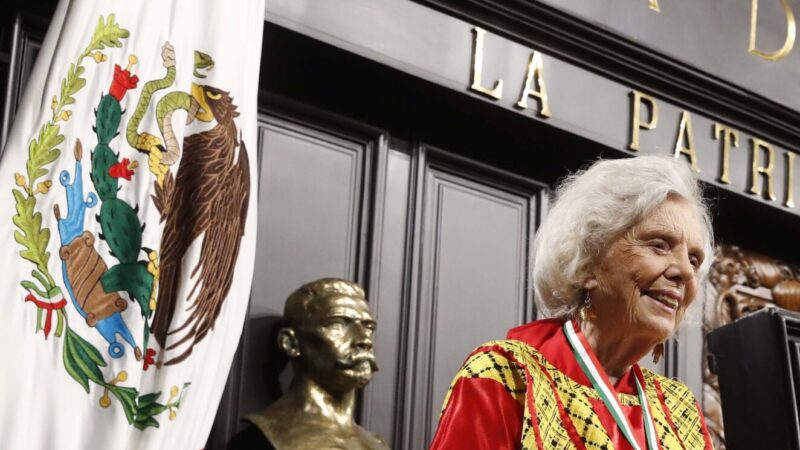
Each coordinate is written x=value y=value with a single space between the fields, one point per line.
x=658 y=352
x=583 y=311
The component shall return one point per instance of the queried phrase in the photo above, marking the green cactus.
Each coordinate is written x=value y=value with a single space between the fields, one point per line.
x=120 y=225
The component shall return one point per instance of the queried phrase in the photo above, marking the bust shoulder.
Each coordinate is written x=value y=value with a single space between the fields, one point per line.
x=292 y=429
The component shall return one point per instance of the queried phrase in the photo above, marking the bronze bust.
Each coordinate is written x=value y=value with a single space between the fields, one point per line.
x=327 y=335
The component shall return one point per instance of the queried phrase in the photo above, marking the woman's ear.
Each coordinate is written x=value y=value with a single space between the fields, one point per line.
x=589 y=283
x=287 y=341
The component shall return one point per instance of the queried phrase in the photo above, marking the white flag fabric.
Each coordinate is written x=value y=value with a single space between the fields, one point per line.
x=128 y=224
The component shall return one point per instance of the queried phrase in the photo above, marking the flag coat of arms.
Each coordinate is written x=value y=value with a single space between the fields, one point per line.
x=127 y=213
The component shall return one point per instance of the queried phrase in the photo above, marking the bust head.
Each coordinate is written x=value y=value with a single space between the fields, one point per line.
x=328 y=335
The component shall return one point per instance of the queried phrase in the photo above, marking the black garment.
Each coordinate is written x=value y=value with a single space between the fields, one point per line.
x=251 y=438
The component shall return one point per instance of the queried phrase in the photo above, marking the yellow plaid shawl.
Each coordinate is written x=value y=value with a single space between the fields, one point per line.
x=553 y=403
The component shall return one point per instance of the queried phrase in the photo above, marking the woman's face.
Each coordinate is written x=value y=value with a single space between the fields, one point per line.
x=647 y=277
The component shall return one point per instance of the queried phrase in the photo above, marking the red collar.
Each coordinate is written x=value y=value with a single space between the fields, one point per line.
x=547 y=336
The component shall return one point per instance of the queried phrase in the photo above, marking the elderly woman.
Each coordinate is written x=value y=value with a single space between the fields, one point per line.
x=617 y=262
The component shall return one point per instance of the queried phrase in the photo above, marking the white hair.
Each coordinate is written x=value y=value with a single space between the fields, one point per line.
x=591 y=208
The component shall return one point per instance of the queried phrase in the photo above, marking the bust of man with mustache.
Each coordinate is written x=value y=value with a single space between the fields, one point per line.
x=328 y=337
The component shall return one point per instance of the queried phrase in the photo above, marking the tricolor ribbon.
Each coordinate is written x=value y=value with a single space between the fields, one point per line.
x=49 y=308
x=604 y=389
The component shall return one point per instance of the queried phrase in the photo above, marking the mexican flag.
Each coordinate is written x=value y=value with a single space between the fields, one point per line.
x=128 y=220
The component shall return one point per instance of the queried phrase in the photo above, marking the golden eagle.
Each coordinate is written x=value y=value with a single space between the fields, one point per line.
x=207 y=199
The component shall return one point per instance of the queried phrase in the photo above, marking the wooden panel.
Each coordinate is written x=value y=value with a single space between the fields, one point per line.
x=387 y=292
x=472 y=283
x=479 y=268
x=309 y=208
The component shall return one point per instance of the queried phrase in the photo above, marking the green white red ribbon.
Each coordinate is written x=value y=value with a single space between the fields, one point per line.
x=606 y=392
x=48 y=308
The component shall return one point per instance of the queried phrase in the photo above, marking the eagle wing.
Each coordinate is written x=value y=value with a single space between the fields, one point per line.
x=218 y=254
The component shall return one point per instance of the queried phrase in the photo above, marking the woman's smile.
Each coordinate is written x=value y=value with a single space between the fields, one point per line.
x=669 y=298
x=666 y=303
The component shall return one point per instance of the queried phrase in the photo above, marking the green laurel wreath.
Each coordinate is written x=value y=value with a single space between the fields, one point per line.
x=81 y=359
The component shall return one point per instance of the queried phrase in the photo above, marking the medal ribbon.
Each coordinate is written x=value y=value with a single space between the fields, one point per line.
x=604 y=389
